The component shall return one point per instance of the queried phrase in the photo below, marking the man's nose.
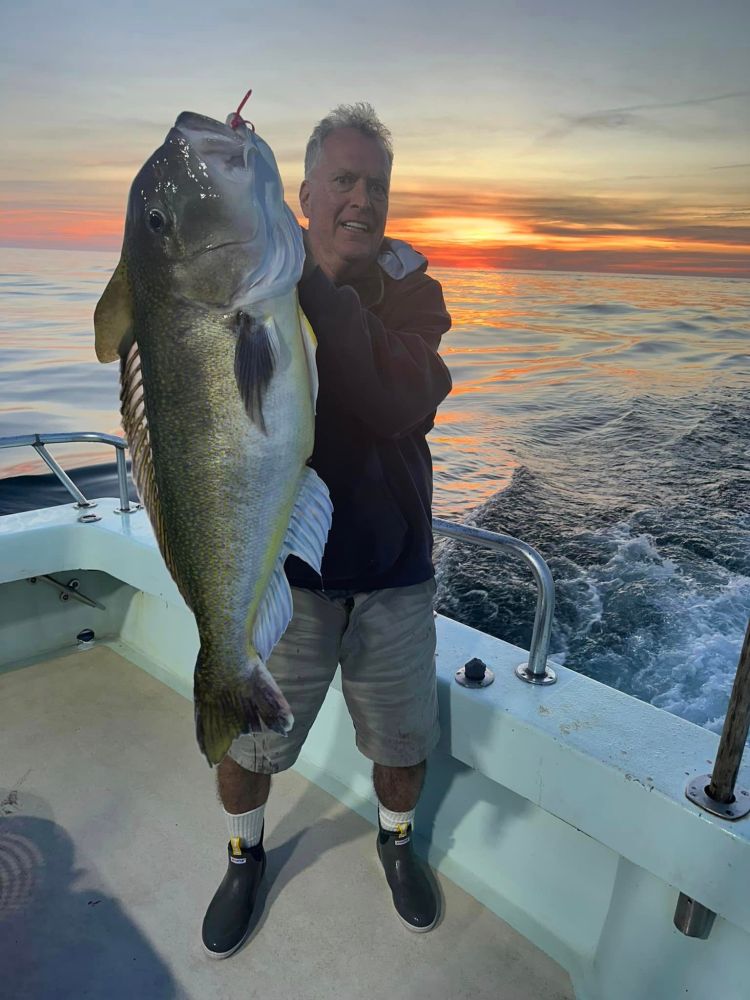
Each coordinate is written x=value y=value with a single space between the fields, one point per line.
x=360 y=194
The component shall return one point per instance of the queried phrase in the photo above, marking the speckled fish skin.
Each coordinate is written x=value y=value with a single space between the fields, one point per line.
x=223 y=485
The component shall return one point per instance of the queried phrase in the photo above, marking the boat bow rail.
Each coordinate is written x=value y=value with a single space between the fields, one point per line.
x=39 y=442
x=536 y=671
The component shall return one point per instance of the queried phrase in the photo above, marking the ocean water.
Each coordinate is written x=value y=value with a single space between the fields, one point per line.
x=604 y=419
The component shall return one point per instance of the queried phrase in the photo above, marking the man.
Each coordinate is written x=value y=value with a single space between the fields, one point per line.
x=378 y=318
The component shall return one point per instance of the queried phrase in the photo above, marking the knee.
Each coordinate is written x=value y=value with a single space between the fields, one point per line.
x=239 y=789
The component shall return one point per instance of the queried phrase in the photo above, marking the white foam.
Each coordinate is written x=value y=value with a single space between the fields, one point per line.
x=670 y=631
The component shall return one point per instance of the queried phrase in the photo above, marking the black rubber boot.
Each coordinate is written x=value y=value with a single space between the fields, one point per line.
x=227 y=919
x=413 y=894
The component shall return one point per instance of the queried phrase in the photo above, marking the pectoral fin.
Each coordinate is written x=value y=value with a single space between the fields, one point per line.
x=113 y=317
x=255 y=360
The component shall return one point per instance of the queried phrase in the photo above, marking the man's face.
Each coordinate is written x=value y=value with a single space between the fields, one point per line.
x=345 y=200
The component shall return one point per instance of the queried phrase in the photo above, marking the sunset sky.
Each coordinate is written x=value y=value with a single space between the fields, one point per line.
x=594 y=136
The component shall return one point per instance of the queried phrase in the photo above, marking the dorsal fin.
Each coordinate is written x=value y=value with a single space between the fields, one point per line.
x=135 y=425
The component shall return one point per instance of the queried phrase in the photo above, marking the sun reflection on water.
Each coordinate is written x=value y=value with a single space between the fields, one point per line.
x=526 y=349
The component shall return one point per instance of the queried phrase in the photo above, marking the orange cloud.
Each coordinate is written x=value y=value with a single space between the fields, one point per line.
x=486 y=229
x=61 y=228
x=573 y=233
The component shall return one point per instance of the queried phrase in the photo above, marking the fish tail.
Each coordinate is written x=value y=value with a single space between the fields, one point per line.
x=246 y=704
x=269 y=701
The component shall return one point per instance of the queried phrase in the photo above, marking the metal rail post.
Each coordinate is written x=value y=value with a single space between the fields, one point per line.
x=716 y=792
x=536 y=670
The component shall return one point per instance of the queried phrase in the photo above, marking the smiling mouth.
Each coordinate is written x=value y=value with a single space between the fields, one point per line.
x=355 y=227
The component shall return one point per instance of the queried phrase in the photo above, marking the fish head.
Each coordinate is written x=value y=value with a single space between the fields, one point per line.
x=207 y=208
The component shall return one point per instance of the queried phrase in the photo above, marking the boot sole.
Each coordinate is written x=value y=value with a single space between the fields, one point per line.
x=417 y=930
x=218 y=955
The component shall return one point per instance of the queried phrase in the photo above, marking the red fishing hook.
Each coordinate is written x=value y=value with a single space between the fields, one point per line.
x=237 y=119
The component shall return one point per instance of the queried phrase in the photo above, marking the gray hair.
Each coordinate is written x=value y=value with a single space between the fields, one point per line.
x=360 y=116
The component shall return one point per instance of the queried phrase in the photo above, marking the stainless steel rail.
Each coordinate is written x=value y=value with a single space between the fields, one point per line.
x=38 y=442
x=536 y=670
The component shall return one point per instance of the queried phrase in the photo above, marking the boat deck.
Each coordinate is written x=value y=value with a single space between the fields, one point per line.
x=112 y=842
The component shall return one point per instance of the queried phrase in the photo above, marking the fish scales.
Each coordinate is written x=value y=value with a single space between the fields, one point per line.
x=216 y=497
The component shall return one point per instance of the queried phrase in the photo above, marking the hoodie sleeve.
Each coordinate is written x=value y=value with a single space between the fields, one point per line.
x=391 y=378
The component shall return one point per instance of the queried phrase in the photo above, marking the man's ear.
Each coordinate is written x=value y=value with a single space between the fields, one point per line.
x=304 y=198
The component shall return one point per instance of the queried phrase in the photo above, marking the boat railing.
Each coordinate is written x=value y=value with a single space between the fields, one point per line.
x=39 y=442
x=535 y=671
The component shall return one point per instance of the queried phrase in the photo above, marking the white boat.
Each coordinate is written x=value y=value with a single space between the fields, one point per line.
x=555 y=814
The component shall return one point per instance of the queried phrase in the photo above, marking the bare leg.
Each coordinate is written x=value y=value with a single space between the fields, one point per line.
x=398 y=788
x=241 y=790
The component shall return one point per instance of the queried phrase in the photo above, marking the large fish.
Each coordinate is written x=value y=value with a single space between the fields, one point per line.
x=218 y=397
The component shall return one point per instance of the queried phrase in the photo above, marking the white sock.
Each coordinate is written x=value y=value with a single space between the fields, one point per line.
x=247 y=826
x=393 y=820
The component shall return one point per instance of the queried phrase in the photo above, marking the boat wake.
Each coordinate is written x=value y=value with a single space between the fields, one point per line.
x=652 y=586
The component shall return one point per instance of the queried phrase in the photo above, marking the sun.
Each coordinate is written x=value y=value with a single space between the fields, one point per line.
x=465 y=229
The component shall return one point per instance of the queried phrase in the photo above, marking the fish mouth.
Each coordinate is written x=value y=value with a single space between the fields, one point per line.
x=227 y=243
x=215 y=246
x=192 y=121
x=208 y=138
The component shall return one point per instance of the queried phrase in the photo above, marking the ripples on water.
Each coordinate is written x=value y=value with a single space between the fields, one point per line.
x=604 y=419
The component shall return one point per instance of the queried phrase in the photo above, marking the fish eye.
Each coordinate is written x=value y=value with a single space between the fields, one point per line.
x=157 y=222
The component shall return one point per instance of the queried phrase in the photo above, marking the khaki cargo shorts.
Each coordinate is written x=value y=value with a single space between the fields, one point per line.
x=385 y=643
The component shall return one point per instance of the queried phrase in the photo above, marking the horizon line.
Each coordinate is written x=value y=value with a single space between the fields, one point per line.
x=436 y=261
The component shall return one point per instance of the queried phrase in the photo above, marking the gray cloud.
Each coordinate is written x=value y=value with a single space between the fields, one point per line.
x=731 y=166
x=687 y=102
x=573 y=209
x=629 y=118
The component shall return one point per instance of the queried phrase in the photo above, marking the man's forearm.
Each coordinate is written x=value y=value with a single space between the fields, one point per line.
x=389 y=379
